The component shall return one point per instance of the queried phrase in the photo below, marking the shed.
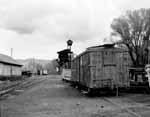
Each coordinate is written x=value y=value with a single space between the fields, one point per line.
x=9 y=66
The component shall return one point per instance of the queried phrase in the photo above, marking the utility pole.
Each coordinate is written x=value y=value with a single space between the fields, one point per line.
x=11 y=65
x=11 y=52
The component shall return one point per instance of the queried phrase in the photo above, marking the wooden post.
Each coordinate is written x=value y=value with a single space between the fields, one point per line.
x=11 y=71
x=11 y=65
x=117 y=91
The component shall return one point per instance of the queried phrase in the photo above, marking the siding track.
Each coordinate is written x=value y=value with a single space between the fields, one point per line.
x=21 y=84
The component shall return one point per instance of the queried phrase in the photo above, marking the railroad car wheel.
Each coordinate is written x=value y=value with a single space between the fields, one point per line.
x=90 y=92
x=117 y=91
x=148 y=90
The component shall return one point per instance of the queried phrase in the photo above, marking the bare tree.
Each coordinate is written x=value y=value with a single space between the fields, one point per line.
x=51 y=67
x=134 y=30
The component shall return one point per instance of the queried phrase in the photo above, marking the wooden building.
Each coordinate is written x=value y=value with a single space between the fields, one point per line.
x=9 y=66
x=64 y=59
x=102 y=66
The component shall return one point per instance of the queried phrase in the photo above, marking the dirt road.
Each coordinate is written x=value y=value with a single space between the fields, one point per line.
x=48 y=96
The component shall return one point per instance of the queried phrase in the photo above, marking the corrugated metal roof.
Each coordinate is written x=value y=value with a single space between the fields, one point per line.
x=106 y=46
x=8 y=60
x=102 y=46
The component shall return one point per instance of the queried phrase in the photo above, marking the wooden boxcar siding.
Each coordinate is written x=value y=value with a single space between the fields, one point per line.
x=7 y=70
x=123 y=64
x=95 y=67
x=85 y=78
x=111 y=69
x=75 y=70
x=102 y=68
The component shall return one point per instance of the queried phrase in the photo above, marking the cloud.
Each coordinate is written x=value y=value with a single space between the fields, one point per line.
x=41 y=27
x=81 y=19
x=124 y=5
x=20 y=15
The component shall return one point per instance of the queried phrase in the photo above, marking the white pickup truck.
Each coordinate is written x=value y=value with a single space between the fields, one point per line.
x=147 y=69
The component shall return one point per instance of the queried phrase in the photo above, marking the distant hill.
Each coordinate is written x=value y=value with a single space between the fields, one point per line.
x=38 y=64
x=39 y=61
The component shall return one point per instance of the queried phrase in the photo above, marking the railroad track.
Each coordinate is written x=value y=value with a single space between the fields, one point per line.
x=9 y=88
x=126 y=108
x=20 y=85
x=122 y=105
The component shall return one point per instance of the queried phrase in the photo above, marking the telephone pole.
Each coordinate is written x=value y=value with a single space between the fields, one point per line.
x=11 y=52
x=11 y=73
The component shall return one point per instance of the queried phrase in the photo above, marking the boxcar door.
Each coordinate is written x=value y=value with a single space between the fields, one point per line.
x=109 y=68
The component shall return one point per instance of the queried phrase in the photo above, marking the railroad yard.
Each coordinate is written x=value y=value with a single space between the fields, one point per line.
x=49 y=96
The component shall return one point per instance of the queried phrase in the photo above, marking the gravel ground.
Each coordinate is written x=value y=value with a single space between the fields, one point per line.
x=51 y=97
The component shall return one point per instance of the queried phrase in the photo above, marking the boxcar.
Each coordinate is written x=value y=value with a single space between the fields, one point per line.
x=101 y=67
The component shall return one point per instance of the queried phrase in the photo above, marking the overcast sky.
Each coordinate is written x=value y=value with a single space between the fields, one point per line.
x=40 y=28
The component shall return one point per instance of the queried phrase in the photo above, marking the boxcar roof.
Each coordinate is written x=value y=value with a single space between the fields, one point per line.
x=64 y=51
x=103 y=48
x=8 y=60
